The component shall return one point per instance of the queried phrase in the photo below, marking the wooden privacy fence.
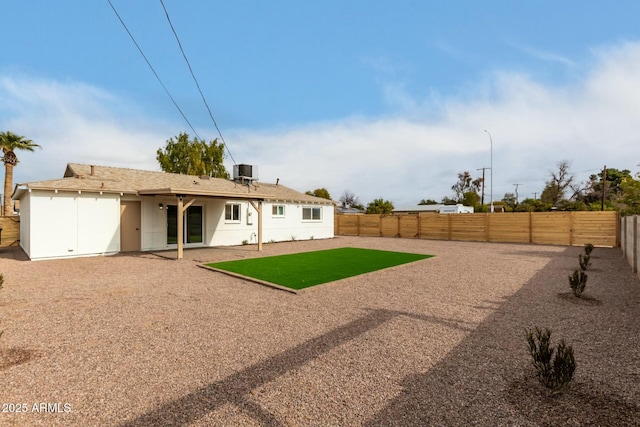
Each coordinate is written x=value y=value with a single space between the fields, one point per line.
x=10 y=230
x=630 y=241
x=555 y=228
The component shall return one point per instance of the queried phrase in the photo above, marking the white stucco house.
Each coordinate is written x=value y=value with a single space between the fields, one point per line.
x=99 y=210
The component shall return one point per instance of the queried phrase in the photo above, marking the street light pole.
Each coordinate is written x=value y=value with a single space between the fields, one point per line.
x=491 y=140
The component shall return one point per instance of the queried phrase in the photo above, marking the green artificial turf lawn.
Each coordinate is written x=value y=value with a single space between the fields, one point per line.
x=302 y=270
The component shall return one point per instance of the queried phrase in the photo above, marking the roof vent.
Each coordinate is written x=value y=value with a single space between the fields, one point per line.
x=245 y=173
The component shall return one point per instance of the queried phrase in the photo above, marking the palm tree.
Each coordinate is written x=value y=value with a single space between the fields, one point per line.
x=10 y=142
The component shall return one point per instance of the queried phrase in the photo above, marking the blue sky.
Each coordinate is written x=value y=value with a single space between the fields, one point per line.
x=384 y=98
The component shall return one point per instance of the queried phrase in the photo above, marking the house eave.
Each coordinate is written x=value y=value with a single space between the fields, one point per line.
x=201 y=193
x=21 y=189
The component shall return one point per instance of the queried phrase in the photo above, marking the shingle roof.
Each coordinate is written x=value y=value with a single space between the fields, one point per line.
x=88 y=178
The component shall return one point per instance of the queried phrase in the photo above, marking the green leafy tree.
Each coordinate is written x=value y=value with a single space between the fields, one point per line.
x=610 y=190
x=630 y=197
x=320 y=192
x=482 y=208
x=379 y=206
x=471 y=198
x=532 y=205
x=510 y=200
x=575 y=205
x=612 y=184
x=10 y=142
x=551 y=195
x=192 y=157
x=428 y=202
x=448 y=201
x=464 y=185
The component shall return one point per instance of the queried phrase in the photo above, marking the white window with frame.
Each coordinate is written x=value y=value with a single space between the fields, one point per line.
x=232 y=212
x=277 y=211
x=312 y=214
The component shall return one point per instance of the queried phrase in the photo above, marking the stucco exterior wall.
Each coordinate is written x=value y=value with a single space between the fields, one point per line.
x=70 y=224
x=154 y=224
x=217 y=231
x=293 y=227
x=25 y=229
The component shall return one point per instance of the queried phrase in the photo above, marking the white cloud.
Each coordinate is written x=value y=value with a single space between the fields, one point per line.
x=75 y=122
x=415 y=154
x=590 y=122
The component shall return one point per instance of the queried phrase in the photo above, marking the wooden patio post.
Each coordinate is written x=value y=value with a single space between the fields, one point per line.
x=259 y=225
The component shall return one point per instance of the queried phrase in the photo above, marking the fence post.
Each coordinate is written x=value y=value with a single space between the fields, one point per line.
x=358 y=226
x=449 y=223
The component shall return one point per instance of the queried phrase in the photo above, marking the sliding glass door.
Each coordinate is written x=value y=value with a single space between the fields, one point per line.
x=192 y=223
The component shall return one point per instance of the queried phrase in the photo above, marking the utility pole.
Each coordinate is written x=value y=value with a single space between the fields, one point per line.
x=482 y=197
x=516 y=185
x=535 y=196
x=604 y=185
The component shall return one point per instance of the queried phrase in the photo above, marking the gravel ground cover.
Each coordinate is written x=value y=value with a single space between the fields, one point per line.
x=141 y=339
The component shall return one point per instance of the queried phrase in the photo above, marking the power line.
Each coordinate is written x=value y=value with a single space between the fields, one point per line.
x=152 y=69
x=196 y=80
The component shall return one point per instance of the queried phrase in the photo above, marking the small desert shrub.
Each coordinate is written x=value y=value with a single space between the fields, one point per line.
x=578 y=281
x=293 y=238
x=554 y=372
x=245 y=242
x=584 y=261
x=588 y=248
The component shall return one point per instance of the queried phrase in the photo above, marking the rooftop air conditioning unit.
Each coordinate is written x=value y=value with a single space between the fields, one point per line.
x=245 y=173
